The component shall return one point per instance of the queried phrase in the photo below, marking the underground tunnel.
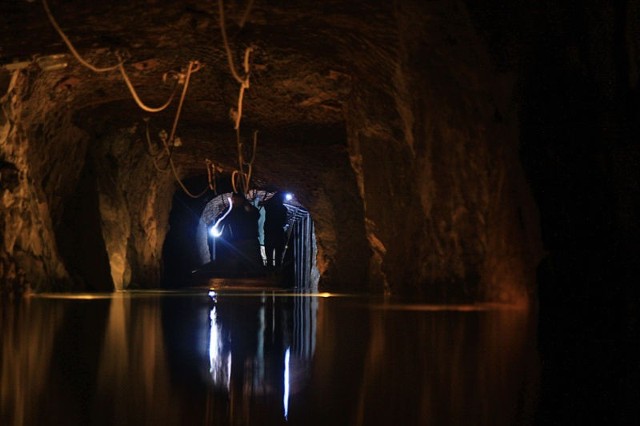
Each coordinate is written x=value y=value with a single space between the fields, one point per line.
x=388 y=166
x=447 y=153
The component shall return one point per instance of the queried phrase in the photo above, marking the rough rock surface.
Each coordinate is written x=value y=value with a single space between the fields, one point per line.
x=395 y=124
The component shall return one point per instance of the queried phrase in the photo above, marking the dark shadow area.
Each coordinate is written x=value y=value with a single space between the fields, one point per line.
x=79 y=235
x=180 y=252
x=579 y=133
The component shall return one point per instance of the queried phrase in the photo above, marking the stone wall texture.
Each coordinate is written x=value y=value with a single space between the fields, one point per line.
x=393 y=123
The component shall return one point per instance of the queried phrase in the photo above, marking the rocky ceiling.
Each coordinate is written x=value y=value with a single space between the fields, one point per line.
x=303 y=61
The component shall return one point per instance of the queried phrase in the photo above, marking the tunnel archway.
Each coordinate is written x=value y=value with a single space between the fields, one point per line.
x=192 y=254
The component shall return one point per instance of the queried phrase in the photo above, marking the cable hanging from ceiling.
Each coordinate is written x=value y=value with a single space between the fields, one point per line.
x=70 y=45
x=180 y=78
x=119 y=66
x=170 y=143
x=136 y=97
x=239 y=174
x=210 y=165
x=183 y=78
x=245 y=15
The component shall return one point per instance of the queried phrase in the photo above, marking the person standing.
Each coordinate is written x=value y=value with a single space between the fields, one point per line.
x=239 y=230
x=274 y=230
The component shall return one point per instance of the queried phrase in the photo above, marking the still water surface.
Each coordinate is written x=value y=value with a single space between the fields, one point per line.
x=262 y=358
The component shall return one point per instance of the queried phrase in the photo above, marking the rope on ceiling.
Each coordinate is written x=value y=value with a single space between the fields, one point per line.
x=119 y=66
x=244 y=177
x=181 y=78
x=194 y=66
x=225 y=40
x=137 y=99
x=245 y=15
x=211 y=175
x=70 y=45
x=239 y=177
x=170 y=143
x=210 y=165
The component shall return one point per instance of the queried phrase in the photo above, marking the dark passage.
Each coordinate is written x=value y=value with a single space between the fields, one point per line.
x=210 y=238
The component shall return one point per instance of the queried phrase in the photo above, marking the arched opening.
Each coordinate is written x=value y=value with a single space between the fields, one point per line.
x=196 y=251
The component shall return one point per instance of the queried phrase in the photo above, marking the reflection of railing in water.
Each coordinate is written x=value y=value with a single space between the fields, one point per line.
x=304 y=326
x=283 y=339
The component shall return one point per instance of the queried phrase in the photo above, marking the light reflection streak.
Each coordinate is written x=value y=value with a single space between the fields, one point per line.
x=130 y=294
x=259 y=378
x=251 y=291
x=285 y=395
x=219 y=364
x=449 y=308
x=75 y=296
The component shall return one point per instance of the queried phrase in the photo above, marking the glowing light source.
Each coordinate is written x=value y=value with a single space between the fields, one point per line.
x=214 y=230
x=288 y=196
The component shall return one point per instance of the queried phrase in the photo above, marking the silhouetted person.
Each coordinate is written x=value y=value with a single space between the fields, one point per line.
x=274 y=230
x=239 y=229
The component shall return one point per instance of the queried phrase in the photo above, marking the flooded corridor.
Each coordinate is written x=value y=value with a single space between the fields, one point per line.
x=231 y=357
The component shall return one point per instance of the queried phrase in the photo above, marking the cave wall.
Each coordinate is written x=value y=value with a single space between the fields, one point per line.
x=79 y=211
x=336 y=211
x=427 y=196
x=134 y=204
x=29 y=257
x=434 y=142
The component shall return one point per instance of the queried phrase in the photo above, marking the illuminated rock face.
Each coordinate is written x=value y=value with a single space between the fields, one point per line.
x=434 y=144
x=397 y=126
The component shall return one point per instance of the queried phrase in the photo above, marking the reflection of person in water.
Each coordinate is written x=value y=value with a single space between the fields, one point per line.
x=256 y=333
x=239 y=228
x=274 y=230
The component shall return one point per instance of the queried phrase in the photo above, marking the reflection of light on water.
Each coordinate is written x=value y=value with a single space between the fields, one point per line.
x=304 y=327
x=76 y=296
x=219 y=364
x=259 y=361
x=285 y=396
x=255 y=288
x=449 y=308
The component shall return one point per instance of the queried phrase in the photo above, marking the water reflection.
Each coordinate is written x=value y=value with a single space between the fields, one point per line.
x=264 y=358
x=253 y=343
